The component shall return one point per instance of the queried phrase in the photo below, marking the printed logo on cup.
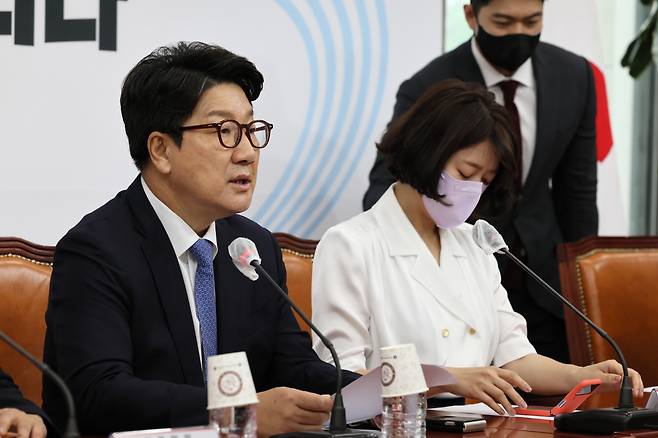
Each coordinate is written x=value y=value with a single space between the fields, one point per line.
x=401 y=373
x=229 y=381
x=388 y=374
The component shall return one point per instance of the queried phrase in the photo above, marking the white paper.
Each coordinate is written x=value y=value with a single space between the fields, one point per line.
x=650 y=388
x=482 y=409
x=652 y=403
x=363 y=400
x=188 y=432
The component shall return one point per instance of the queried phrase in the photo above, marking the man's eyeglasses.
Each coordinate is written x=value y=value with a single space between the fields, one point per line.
x=229 y=132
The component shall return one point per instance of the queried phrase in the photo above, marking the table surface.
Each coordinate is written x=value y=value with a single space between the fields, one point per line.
x=511 y=427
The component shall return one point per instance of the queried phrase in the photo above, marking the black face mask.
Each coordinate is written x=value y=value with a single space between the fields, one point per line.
x=507 y=51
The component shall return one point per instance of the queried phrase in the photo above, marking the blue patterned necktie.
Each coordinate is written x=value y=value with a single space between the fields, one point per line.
x=204 y=298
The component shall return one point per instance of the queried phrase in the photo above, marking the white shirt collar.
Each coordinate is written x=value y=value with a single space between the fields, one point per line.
x=401 y=236
x=181 y=235
x=523 y=75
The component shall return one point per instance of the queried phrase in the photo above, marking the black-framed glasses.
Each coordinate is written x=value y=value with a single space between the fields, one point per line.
x=229 y=132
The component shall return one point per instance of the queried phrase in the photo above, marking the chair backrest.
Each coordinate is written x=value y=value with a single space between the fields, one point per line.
x=25 y=270
x=614 y=281
x=298 y=258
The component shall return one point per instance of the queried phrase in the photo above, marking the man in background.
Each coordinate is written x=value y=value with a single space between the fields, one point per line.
x=549 y=94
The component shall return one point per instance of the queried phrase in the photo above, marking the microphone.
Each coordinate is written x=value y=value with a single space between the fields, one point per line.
x=71 y=424
x=245 y=257
x=599 y=421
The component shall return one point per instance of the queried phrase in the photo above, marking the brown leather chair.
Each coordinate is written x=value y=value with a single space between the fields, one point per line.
x=614 y=281
x=298 y=258
x=25 y=270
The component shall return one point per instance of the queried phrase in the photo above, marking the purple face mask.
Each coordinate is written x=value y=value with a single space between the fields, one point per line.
x=460 y=198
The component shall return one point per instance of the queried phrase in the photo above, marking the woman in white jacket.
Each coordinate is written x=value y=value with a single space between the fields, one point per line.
x=408 y=270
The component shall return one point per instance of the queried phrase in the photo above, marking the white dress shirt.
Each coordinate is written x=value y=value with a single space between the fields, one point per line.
x=182 y=237
x=525 y=100
x=376 y=284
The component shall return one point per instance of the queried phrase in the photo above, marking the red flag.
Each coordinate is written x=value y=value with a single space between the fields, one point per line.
x=603 y=128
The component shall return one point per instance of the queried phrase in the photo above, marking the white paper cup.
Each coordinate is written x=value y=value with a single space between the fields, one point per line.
x=401 y=373
x=229 y=381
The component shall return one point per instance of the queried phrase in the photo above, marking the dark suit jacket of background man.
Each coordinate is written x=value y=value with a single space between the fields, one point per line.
x=120 y=330
x=565 y=154
x=11 y=397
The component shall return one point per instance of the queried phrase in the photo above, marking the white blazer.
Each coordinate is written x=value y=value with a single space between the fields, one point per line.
x=375 y=284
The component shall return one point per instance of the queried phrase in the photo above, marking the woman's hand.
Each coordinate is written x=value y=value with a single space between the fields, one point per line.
x=610 y=372
x=490 y=385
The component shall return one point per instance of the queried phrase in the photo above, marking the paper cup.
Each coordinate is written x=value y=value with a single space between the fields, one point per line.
x=401 y=373
x=229 y=381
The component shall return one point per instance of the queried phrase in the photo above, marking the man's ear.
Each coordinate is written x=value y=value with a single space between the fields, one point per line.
x=471 y=19
x=159 y=146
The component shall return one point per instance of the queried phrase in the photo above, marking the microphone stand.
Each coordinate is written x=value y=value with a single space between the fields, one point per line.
x=71 y=424
x=337 y=425
x=600 y=421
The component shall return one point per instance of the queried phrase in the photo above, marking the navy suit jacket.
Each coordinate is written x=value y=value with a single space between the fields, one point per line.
x=558 y=199
x=120 y=332
x=11 y=397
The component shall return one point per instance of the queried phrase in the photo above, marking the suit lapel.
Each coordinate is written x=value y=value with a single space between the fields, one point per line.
x=233 y=291
x=446 y=289
x=403 y=241
x=458 y=281
x=466 y=67
x=547 y=114
x=168 y=280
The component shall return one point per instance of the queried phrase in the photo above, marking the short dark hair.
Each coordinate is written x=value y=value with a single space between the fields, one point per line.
x=163 y=89
x=477 y=4
x=450 y=116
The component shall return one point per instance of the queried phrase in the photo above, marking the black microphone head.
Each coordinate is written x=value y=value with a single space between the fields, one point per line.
x=487 y=237
x=243 y=252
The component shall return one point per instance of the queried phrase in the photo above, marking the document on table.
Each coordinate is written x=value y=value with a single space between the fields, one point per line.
x=363 y=397
x=482 y=409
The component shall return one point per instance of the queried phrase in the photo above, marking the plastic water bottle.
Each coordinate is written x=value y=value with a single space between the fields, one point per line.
x=404 y=416
x=234 y=422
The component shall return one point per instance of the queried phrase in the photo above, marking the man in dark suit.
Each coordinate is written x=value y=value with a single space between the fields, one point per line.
x=143 y=290
x=549 y=93
x=18 y=414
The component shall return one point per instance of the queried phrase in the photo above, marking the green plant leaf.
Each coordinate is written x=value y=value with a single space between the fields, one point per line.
x=643 y=58
x=638 y=54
